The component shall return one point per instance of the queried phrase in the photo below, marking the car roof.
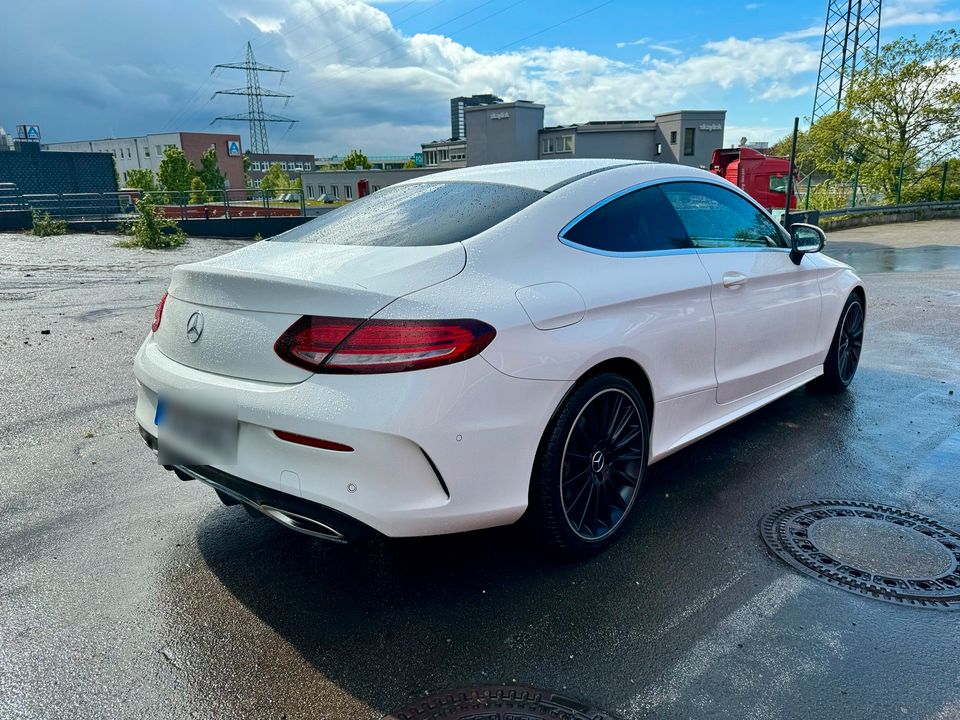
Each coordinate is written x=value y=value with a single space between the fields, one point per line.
x=543 y=175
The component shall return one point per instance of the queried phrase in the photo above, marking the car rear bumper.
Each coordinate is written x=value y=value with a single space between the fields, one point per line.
x=436 y=451
x=293 y=512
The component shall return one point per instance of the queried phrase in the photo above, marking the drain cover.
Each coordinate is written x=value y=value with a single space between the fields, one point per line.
x=874 y=550
x=499 y=702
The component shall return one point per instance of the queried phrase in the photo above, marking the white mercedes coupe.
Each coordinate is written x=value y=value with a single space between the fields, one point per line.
x=475 y=346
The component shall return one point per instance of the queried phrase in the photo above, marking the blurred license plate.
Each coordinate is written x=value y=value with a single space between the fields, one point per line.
x=188 y=435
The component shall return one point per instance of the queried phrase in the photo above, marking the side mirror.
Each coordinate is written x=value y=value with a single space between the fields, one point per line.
x=805 y=239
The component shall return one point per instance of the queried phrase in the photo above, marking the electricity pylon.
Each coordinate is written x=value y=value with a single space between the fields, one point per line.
x=255 y=115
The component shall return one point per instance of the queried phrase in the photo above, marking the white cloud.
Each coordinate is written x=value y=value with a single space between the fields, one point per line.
x=630 y=43
x=916 y=12
x=753 y=6
x=367 y=84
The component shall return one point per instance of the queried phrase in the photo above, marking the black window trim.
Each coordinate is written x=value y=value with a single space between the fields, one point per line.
x=719 y=182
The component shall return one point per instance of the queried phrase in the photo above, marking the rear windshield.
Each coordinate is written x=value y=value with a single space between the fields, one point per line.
x=420 y=214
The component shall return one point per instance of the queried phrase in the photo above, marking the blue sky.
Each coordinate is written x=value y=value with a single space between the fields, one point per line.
x=377 y=74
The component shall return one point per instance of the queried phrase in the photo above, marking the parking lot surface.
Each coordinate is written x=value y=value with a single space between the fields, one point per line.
x=126 y=593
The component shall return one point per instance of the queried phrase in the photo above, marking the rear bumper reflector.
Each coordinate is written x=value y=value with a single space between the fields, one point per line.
x=312 y=442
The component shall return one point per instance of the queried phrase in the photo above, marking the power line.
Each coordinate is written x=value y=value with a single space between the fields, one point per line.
x=556 y=25
x=281 y=35
x=363 y=40
x=435 y=27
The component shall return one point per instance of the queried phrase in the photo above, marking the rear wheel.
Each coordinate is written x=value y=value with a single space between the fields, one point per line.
x=843 y=357
x=591 y=463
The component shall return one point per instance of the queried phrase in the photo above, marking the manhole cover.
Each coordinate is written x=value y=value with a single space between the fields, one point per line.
x=499 y=702
x=874 y=550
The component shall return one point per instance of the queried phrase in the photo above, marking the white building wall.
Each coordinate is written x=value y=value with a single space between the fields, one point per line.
x=129 y=153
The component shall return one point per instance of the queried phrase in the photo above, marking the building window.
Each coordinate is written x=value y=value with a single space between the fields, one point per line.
x=333 y=192
x=673 y=137
x=444 y=155
x=128 y=152
x=255 y=166
x=310 y=191
x=321 y=190
x=146 y=151
x=159 y=151
x=688 y=140
x=659 y=148
x=347 y=192
x=283 y=164
x=559 y=144
x=256 y=183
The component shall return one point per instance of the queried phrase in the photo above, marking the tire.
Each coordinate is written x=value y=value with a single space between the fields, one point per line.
x=843 y=358
x=590 y=467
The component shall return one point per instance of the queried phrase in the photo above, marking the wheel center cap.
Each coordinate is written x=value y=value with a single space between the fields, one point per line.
x=597 y=462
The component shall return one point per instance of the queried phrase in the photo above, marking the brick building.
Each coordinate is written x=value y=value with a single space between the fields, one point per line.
x=146 y=151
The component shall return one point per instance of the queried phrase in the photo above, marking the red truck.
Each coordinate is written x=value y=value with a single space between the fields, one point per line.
x=762 y=178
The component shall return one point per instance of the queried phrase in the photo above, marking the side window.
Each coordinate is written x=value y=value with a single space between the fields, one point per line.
x=636 y=222
x=715 y=217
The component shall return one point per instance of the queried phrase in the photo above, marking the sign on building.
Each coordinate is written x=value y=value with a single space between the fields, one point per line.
x=418 y=159
x=28 y=132
x=233 y=147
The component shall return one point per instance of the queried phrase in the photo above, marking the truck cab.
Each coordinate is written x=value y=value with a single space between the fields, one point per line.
x=763 y=178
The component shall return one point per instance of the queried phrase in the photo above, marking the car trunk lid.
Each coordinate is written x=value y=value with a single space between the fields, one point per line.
x=248 y=298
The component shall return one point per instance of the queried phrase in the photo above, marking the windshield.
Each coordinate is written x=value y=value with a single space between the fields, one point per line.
x=432 y=213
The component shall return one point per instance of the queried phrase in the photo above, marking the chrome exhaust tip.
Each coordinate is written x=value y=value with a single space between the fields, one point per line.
x=305 y=525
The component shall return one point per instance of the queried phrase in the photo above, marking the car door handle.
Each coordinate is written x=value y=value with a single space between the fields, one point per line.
x=734 y=279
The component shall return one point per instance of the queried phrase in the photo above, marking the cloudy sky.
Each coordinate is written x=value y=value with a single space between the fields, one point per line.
x=377 y=74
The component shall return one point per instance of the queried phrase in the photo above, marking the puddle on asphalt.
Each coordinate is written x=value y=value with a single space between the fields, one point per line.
x=932 y=257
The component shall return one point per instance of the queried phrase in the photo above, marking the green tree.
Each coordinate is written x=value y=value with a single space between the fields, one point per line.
x=356 y=160
x=246 y=170
x=176 y=174
x=410 y=164
x=210 y=173
x=198 y=191
x=144 y=179
x=906 y=104
x=275 y=180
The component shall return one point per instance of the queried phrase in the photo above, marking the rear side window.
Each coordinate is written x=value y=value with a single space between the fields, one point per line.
x=639 y=221
x=428 y=213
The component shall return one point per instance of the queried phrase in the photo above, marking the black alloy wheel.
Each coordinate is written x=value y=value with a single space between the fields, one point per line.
x=843 y=358
x=591 y=465
x=851 y=342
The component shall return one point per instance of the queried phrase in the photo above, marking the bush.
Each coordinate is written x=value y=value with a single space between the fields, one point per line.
x=152 y=229
x=44 y=225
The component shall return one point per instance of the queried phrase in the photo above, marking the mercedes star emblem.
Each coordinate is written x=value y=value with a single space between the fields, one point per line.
x=195 y=327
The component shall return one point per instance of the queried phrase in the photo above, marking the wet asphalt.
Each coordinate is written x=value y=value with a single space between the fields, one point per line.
x=126 y=593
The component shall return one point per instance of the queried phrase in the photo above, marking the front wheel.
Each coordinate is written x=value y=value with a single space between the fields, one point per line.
x=843 y=357
x=590 y=467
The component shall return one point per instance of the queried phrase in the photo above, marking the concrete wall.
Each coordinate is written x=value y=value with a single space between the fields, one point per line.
x=706 y=140
x=342 y=179
x=503 y=133
x=634 y=144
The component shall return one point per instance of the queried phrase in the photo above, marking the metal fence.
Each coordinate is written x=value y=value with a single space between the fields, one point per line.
x=122 y=205
x=935 y=183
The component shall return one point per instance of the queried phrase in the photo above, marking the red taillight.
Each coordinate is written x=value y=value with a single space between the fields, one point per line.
x=158 y=313
x=312 y=441
x=338 y=345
